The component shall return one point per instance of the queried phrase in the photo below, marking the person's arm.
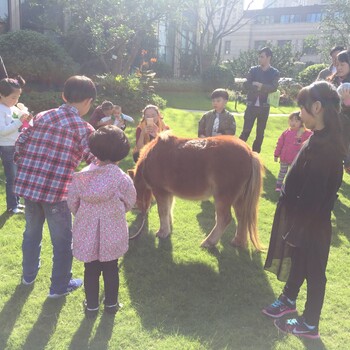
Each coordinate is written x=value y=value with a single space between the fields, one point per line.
x=201 y=126
x=73 y=199
x=279 y=146
x=20 y=143
x=83 y=147
x=128 y=192
x=10 y=128
x=230 y=127
x=272 y=87
x=95 y=117
x=311 y=199
x=139 y=138
x=248 y=84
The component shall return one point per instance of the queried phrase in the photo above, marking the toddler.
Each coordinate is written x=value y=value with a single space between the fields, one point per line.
x=120 y=118
x=10 y=123
x=99 y=197
x=289 y=144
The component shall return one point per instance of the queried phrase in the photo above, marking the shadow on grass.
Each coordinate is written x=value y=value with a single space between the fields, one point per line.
x=45 y=325
x=269 y=185
x=342 y=214
x=4 y=217
x=11 y=311
x=314 y=344
x=101 y=338
x=206 y=218
x=219 y=308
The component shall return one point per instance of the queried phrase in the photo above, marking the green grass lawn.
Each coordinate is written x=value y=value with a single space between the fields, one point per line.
x=175 y=294
x=201 y=101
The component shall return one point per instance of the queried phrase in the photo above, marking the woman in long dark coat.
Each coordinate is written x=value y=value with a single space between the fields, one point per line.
x=301 y=232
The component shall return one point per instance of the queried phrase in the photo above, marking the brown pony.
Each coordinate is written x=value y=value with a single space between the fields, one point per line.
x=222 y=166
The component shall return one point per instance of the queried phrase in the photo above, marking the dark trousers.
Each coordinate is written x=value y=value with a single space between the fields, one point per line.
x=310 y=264
x=110 y=274
x=250 y=114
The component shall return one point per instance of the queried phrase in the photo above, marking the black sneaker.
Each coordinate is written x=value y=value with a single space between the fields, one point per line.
x=90 y=313
x=279 y=307
x=113 y=309
x=297 y=327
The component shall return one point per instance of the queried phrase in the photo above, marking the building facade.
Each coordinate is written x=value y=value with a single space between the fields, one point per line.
x=278 y=26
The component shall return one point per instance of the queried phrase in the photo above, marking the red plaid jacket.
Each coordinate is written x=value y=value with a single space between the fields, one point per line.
x=48 y=153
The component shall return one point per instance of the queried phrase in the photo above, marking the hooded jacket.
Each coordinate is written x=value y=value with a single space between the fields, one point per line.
x=99 y=197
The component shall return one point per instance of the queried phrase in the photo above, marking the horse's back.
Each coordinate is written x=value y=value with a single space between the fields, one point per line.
x=198 y=168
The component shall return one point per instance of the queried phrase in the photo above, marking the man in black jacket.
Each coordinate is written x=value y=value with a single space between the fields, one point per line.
x=261 y=80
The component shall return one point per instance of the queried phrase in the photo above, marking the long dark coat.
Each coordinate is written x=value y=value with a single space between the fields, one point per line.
x=303 y=214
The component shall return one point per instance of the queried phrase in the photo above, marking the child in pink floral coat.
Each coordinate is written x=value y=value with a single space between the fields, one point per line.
x=289 y=145
x=99 y=197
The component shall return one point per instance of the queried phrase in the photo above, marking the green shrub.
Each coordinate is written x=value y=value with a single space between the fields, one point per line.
x=162 y=69
x=41 y=101
x=132 y=93
x=36 y=57
x=217 y=77
x=309 y=74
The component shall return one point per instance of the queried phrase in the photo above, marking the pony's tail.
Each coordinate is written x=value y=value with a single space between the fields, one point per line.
x=251 y=200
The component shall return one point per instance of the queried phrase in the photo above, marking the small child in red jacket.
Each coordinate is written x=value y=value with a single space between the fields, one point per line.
x=289 y=145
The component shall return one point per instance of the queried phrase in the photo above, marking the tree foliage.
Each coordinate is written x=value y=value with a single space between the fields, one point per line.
x=116 y=31
x=335 y=25
x=283 y=59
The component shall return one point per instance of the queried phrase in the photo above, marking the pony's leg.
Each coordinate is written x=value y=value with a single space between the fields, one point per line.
x=223 y=219
x=241 y=237
x=164 y=203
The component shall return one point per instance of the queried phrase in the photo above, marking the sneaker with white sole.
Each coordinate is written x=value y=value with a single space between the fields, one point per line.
x=73 y=284
x=297 y=327
x=279 y=307
x=15 y=211
x=28 y=281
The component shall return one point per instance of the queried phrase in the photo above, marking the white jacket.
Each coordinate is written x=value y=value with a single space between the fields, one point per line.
x=8 y=126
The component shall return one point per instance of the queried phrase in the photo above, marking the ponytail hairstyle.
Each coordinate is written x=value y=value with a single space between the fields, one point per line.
x=296 y=115
x=8 y=85
x=327 y=95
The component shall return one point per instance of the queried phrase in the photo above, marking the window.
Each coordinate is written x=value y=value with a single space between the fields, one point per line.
x=282 y=43
x=290 y=19
x=4 y=14
x=313 y=17
x=265 y=19
x=227 y=47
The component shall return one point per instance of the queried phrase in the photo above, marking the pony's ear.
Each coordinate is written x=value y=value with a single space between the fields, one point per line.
x=131 y=173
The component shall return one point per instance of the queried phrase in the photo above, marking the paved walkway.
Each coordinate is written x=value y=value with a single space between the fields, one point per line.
x=235 y=113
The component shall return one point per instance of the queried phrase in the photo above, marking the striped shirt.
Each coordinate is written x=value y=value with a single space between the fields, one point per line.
x=48 y=153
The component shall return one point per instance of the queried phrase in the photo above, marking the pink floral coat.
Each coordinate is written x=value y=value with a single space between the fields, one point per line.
x=99 y=197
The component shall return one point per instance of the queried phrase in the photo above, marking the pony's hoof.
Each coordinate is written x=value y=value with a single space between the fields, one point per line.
x=162 y=234
x=207 y=244
x=238 y=244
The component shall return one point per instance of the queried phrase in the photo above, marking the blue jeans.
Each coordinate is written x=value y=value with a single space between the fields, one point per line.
x=59 y=220
x=10 y=169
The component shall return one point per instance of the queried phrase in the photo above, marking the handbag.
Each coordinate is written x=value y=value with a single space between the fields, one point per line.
x=273 y=98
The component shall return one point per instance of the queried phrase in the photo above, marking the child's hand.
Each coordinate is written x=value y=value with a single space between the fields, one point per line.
x=25 y=117
x=276 y=159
